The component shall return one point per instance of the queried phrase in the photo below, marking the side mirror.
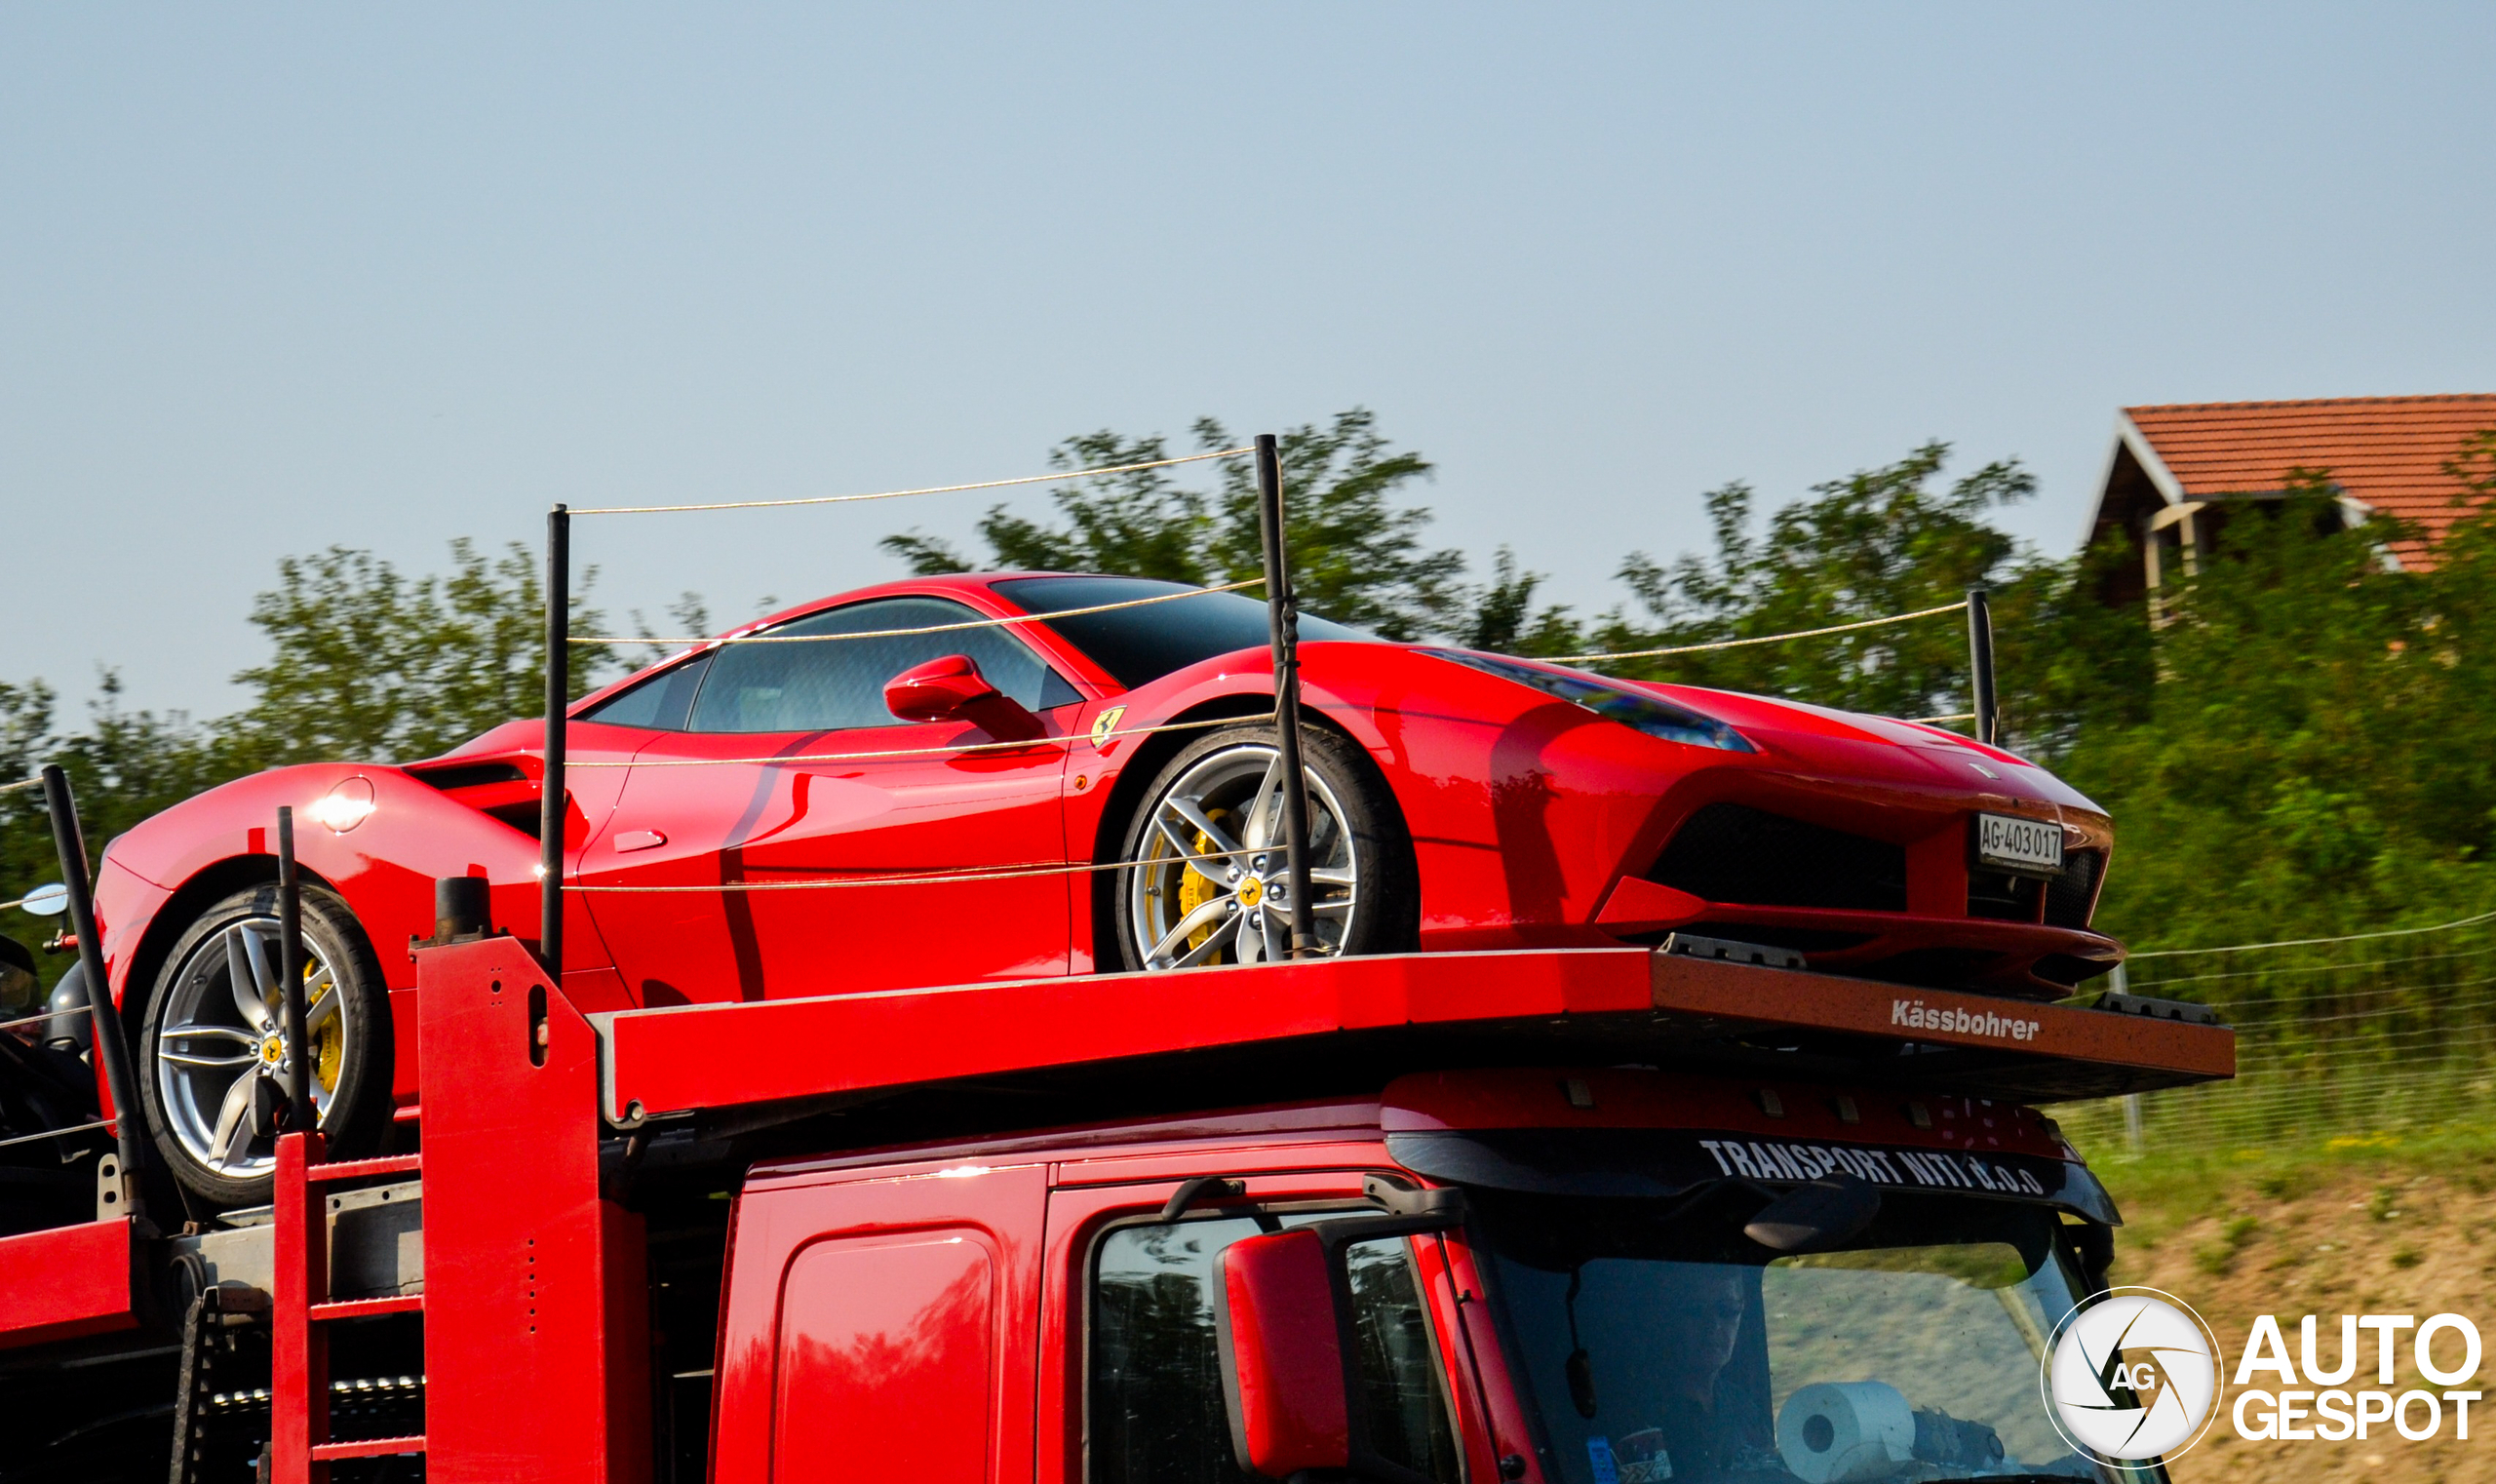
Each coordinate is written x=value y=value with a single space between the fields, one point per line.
x=1287 y=1325
x=952 y=690
x=1826 y=1213
x=1282 y=1355
x=49 y=901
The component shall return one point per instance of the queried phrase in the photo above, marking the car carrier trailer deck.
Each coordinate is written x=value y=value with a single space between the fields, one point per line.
x=587 y=1183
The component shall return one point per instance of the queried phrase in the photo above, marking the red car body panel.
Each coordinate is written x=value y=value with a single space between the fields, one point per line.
x=1532 y=821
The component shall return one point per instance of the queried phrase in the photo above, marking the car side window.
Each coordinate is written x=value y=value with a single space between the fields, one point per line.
x=657 y=704
x=838 y=684
x=1154 y=1387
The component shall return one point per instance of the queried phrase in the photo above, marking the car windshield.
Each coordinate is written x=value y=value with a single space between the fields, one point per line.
x=1139 y=645
x=1657 y=1341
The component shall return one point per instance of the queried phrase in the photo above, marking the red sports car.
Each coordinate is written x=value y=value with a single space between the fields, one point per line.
x=1458 y=800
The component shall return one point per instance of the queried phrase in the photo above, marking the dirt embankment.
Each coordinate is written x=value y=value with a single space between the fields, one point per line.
x=2342 y=1236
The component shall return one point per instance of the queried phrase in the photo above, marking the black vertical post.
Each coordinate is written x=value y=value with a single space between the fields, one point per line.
x=1282 y=618
x=558 y=687
x=1980 y=661
x=70 y=841
x=293 y=991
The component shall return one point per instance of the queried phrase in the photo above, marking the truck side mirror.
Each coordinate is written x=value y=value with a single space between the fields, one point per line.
x=1282 y=1355
x=952 y=690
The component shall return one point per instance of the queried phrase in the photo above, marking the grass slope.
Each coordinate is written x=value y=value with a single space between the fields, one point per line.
x=2354 y=1224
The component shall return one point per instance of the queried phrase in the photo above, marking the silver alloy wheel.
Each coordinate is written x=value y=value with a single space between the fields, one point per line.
x=1235 y=908
x=222 y=1038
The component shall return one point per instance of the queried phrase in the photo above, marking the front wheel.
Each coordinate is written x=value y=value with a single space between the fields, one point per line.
x=212 y=1058
x=1208 y=882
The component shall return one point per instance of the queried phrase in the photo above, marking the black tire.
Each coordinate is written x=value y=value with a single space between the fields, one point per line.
x=1356 y=822
x=352 y=1077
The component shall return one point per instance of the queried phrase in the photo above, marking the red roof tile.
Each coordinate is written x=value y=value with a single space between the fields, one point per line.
x=2387 y=451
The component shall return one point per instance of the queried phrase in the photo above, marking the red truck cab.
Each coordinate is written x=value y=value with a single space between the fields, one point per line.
x=1543 y=1275
x=1545 y=1217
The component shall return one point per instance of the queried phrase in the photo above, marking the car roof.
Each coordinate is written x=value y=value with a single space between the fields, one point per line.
x=975 y=588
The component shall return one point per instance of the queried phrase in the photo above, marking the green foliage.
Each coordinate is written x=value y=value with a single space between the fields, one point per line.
x=1504 y=620
x=2302 y=769
x=123 y=767
x=1356 y=556
x=1885 y=540
x=364 y=663
x=368 y=663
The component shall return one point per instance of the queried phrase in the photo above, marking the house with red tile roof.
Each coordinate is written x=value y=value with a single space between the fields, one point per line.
x=2176 y=471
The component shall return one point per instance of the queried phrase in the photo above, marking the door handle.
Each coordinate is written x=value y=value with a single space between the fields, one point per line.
x=638 y=839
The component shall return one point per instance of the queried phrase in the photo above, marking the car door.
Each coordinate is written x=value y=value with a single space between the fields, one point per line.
x=787 y=772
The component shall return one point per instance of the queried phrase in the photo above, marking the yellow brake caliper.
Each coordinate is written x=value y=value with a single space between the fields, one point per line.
x=1196 y=887
x=333 y=1037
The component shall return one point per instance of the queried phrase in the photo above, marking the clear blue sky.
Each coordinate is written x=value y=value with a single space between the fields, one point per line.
x=276 y=279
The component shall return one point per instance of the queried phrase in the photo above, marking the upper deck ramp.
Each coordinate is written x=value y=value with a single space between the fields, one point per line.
x=1398 y=1011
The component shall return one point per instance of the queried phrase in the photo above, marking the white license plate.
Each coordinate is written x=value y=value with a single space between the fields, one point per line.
x=2011 y=843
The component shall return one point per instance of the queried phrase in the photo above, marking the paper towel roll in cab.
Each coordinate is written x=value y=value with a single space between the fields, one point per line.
x=1841 y=1432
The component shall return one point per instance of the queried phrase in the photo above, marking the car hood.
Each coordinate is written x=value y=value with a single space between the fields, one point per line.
x=1906 y=752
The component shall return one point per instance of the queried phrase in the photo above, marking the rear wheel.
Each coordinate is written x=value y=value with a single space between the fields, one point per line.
x=1209 y=883
x=214 y=1057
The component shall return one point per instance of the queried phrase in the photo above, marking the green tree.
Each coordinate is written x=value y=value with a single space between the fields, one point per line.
x=123 y=767
x=1356 y=555
x=2303 y=767
x=1504 y=620
x=366 y=662
x=1881 y=541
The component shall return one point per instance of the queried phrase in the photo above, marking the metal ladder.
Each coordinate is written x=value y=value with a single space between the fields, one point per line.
x=300 y=1449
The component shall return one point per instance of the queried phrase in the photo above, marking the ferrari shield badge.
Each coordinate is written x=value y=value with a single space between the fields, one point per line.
x=1104 y=723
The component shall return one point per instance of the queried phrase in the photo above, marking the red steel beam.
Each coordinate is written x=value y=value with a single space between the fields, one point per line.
x=536 y=1291
x=681 y=1058
x=710 y=1056
x=1940 y=1017
x=67 y=1282
x=298 y=1348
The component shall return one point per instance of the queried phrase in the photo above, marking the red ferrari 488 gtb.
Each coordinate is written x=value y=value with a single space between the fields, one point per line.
x=1457 y=801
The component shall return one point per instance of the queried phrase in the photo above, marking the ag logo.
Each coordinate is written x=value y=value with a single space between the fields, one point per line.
x=2132 y=1378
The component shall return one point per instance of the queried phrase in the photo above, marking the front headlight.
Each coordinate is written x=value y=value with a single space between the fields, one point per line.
x=1650 y=713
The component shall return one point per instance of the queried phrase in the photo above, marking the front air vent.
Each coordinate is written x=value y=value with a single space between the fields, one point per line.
x=2072 y=893
x=468 y=775
x=499 y=790
x=2003 y=896
x=1732 y=852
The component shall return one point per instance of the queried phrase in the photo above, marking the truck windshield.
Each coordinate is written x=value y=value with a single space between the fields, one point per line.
x=1659 y=1343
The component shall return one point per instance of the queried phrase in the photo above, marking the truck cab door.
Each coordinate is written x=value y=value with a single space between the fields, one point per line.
x=880 y=1327
x=1131 y=1387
